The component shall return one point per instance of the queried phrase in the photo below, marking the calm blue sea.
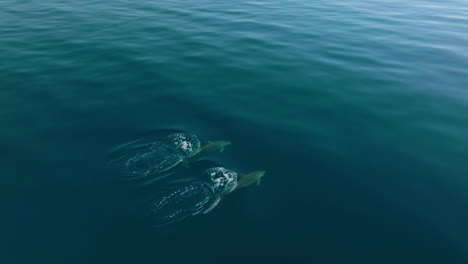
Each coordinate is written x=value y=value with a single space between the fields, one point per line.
x=357 y=110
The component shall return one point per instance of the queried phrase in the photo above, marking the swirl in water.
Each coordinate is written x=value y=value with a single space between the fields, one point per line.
x=185 y=143
x=145 y=159
x=155 y=158
x=187 y=200
x=223 y=181
x=196 y=197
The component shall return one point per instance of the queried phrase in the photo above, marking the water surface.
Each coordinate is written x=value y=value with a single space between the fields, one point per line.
x=358 y=110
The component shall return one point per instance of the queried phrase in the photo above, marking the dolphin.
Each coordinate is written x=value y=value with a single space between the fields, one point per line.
x=250 y=178
x=210 y=146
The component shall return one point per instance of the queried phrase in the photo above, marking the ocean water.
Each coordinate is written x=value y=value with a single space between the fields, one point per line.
x=357 y=110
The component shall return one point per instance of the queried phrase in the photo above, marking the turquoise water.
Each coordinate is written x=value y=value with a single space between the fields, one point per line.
x=358 y=110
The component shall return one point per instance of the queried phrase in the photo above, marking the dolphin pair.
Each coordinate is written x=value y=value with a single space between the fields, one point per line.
x=164 y=157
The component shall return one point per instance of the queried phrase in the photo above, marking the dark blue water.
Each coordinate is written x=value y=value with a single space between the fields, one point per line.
x=358 y=110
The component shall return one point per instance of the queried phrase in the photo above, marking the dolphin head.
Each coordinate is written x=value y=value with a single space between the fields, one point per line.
x=245 y=180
